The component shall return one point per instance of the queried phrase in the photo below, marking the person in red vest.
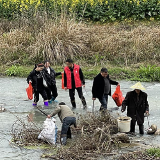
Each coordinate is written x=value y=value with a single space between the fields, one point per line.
x=74 y=79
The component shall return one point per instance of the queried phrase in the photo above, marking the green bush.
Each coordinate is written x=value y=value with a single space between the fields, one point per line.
x=148 y=73
x=17 y=71
x=95 y=10
x=154 y=152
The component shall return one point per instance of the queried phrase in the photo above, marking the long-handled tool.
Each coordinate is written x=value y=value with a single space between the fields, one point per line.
x=148 y=122
x=93 y=107
x=42 y=111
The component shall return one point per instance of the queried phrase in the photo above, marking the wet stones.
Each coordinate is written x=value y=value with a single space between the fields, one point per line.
x=2 y=109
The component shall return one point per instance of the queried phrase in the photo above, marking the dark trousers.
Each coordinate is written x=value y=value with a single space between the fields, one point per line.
x=43 y=94
x=133 y=124
x=51 y=91
x=104 y=102
x=80 y=94
x=66 y=123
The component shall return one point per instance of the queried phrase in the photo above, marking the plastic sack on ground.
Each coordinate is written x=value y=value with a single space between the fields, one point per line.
x=49 y=132
x=29 y=91
x=117 y=96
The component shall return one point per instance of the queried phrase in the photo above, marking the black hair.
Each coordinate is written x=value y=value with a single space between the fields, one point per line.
x=40 y=64
x=47 y=61
x=104 y=70
x=69 y=60
x=62 y=103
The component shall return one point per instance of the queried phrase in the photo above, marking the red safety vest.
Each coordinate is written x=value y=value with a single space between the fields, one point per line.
x=77 y=79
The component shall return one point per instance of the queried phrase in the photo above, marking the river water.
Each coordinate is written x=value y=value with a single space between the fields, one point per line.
x=14 y=99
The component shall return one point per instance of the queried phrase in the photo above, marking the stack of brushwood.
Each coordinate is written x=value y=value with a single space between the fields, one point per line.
x=96 y=136
x=25 y=133
x=95 y=139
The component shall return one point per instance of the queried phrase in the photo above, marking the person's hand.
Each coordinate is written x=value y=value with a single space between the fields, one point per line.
x=93 y=99
x=147 y=112
x=65 y=88
x=49 y=116
x=30 y=81
x=37 y=69
x=83 y=85
x=118 y=84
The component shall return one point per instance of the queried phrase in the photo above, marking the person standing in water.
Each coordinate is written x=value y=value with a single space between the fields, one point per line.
x=39 y=78
x=137 y=104
x=51 y=89
x=74 y=79
x=102 y=88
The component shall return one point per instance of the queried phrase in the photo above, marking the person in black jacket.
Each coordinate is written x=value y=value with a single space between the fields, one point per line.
x=137 y=104
x=39 y=78
x=102 y=88
x=51 y=89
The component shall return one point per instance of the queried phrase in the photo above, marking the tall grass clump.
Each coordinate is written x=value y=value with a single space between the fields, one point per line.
x=122 y=44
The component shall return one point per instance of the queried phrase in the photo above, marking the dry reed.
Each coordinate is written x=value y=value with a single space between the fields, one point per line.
x=57 y=40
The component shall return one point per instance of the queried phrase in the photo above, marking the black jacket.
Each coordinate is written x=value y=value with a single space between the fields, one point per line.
x=53 y=75
x=33 y=77
x=135 y=108
x=99 y=84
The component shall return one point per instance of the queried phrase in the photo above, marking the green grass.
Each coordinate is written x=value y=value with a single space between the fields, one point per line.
x=153 y=152
x=147 y=73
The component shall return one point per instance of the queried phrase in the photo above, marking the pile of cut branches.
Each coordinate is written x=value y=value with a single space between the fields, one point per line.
x=95 y=139
x=25 y=133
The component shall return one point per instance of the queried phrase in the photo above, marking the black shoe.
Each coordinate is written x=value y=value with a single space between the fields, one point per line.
x=63 y=140
x=73 y=104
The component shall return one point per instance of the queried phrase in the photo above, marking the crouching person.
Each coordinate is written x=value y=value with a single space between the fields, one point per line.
x=67 y=118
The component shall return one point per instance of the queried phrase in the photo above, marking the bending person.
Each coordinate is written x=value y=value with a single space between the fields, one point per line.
x=67 y=118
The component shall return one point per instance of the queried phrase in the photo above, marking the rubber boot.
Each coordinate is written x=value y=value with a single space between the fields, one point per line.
x=63 y=140
x=84 y=102
x=46 y=103
x=69 y=133
x=54 y=99
x=50 y=101
x=141 y=129
x=34 y=104
x=132 y=125
x=73 y=103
